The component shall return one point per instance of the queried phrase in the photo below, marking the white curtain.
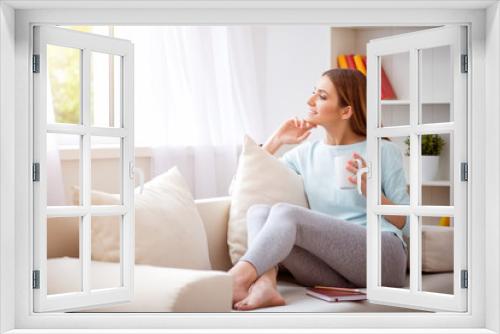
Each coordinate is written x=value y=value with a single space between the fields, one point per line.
x=55 y=184
x=196 y=95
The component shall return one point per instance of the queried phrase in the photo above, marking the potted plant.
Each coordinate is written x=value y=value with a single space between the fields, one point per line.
x=432 y=146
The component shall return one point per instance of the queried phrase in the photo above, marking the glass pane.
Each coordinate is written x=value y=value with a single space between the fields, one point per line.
x=63 y=169
x=436 y=169
x=106 y=165
x=394 y=168
x=394 y=85
x=105 y=271
x=437 y=254
x=393 y=256
x=105 y=90
x=436 y=84
x=63 y=84
x=64 y=273
x=395 y=114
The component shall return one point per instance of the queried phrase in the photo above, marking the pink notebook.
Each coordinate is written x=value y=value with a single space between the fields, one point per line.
x=332 y=294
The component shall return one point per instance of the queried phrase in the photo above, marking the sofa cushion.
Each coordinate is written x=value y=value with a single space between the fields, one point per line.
x=169 y=231
x=260 y=178
x=156 y=289
x=297 y=300
x=437 y=249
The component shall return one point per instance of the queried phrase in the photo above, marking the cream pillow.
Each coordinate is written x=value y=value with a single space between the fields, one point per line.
x=169 y=231
x=260 y=178
x=437 y=249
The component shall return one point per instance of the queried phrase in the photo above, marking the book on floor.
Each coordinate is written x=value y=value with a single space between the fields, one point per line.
x=333 y=294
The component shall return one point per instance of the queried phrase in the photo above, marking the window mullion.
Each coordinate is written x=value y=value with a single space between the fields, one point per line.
x=414 y=174
x=85 y=242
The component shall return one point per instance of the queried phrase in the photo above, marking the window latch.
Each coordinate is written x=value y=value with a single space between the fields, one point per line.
x=464 y=171
x=465 y=279
x=465 y=65
x=36 y=172
x=36 y=63
x=36 y=279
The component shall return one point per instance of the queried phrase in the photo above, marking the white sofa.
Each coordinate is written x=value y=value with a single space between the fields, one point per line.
x=161 y=289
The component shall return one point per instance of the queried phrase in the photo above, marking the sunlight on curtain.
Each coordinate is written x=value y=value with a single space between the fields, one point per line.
x=56 y=194
x=196 y=95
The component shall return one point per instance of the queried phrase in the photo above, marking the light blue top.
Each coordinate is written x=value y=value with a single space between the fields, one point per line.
x=314 y=160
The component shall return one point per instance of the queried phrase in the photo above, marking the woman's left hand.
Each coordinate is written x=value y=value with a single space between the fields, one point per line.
x=352 y=166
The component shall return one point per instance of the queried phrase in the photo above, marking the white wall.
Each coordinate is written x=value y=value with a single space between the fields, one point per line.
x=290 y=60
x=489 y=170
x=7 y=168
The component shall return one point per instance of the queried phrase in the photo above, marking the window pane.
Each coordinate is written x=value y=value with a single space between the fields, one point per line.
x=436 y=169
x=437 y=254
x=436 y=84
x=105 y=90
x=106 y=242
x=394 y=74
x=63 y=84
x=63 y=169
x=106 y=165
x=395 y=114
x=393 y=260
x=64 y=273
x=394 y=168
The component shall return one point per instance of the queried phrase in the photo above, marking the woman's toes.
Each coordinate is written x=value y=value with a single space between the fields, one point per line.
x=261 y=295
x=239 y=293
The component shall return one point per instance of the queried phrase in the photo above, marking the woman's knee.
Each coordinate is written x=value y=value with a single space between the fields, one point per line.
x=285 y=211
x=258 y=212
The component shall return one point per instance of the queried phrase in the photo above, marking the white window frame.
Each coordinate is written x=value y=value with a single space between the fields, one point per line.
x=455 y=37
x=15 y=282
x=86 y=44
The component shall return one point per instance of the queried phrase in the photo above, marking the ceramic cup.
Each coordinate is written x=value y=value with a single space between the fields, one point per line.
x=342 y=173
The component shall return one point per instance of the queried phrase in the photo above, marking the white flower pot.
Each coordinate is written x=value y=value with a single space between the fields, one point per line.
x=430 y=167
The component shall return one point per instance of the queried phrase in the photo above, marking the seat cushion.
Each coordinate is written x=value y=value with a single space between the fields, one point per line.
x=156 y=289
x=298 y=301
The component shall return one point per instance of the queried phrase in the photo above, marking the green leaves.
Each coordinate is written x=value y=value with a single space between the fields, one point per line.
x=431 y=144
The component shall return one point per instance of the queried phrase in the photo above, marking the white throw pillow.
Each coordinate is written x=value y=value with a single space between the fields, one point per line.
x=169 y=231
x=260 y=178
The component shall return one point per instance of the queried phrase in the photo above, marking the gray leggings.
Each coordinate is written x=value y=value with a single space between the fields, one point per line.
x=316 y=248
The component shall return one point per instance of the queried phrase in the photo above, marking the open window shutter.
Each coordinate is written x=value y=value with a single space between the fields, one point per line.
x=85 y=47
x=418 y=50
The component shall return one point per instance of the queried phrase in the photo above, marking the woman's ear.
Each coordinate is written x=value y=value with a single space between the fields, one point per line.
x=346 y=112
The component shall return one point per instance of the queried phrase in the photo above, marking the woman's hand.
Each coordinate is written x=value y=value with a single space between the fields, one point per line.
x=293 y=131
x=352 y=166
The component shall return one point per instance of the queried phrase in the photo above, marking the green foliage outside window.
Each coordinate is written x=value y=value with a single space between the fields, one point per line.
x=64 y=75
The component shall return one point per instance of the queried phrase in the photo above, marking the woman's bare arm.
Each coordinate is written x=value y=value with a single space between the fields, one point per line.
x=272 y=145
x=398 y=221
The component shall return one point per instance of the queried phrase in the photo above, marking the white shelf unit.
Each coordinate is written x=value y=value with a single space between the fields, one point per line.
x=435 y=91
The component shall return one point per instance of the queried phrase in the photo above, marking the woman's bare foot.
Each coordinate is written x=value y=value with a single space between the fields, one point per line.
x=262 y=293
x=244 y=274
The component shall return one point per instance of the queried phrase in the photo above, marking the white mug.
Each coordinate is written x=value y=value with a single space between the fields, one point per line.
x=342 y=173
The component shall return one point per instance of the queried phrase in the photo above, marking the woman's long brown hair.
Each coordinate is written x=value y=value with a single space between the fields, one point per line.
x=351 y=89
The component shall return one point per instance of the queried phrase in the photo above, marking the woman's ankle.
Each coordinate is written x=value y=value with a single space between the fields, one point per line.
x=269 y=277
x=244 y=271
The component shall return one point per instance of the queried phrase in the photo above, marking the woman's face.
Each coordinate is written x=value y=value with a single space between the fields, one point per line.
x=323 y=104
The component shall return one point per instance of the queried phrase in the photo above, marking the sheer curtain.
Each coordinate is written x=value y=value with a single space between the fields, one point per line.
x=196 y=94
x=56 y=194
